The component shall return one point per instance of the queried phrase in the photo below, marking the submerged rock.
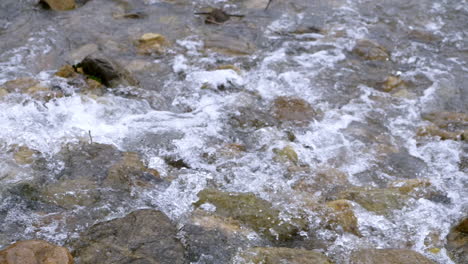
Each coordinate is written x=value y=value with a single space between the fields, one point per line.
x=286 y=154
x=279 y=255
x=388 y=256
x=370 y=50
x=143 y=236
x=229 y=45
x=35 y=252
x=253 y=212
x=60 y=5
x=24 y=155
x=215 y=239
x=293 y=110
x=457 y=242
x=383 y=200
x=151 y=43
x=326 y=181
x=446 y=125
x=90 y=167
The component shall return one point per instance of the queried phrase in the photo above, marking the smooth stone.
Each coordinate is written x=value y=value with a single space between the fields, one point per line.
x=35 y=252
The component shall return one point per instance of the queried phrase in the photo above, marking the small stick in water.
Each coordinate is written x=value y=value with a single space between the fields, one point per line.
x=268 y=5
x=90 y=137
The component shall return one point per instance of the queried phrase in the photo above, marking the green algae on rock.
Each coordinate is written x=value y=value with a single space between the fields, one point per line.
x=254 y=212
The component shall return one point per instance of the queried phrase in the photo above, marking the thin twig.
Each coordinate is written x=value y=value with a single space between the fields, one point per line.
x=268 y=5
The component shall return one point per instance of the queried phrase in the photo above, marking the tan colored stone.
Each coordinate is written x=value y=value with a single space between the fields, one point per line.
x=24 y=155
x=35 y=252
x=127 y=172
x=151 y=43
x=3 y=92
x=66 y=71
x=229 y=67
x=229 y=45
x=295 y=110
x=61 y=5
x=343 y=216
x=19 y=85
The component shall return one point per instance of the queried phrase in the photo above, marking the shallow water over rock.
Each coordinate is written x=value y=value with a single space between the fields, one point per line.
x=308 y=128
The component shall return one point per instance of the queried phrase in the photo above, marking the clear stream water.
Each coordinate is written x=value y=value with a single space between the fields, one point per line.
x=169 y=115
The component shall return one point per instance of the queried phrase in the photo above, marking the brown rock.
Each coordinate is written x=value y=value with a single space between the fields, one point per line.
x=388 y=256
x=277 y=255
x=151 y=43
x=24 y=155
x=391 y=83
x=295 y=110
x=35 y=252
x=446 y=125
x=457 y=242
x=130 y=170
x=143 y=236
x=370 y=50
x=328 y=181
x=19 y=85
x=60 y=5
x=67 y=71
x=343 y=216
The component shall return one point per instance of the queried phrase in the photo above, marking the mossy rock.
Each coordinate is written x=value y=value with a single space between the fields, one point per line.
x=286 y=154
x=278 y=255
x=254 y=212
x=379 y=201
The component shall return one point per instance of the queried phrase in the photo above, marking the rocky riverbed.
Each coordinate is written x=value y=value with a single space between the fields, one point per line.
x=234 y=131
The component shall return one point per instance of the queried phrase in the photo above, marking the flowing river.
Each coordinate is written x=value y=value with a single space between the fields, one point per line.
x=345 y=119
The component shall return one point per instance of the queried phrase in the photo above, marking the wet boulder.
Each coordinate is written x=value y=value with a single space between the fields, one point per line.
x=369 y=50
x=60 y=5
x=256 y=213
x=293 y=110
x=108 y=72
x=446 y=125
x=143 y=236
x=278 y=255
x=89 y=168
x=388 y=256
x=457 y=242
x=210 y=238
x=35 y=252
